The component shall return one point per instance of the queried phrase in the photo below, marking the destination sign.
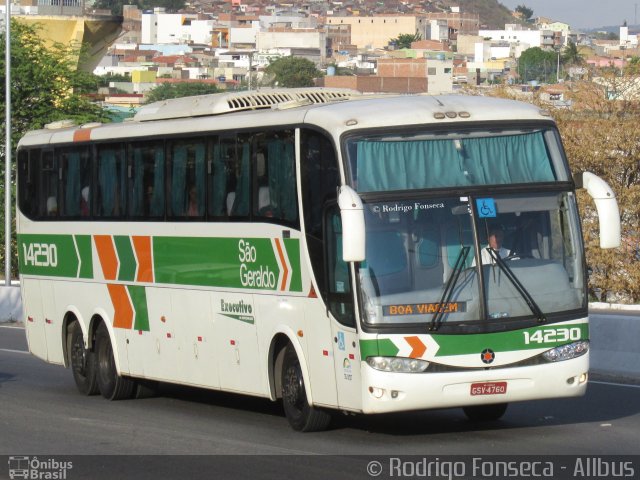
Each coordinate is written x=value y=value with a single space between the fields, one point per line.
x=424 y=308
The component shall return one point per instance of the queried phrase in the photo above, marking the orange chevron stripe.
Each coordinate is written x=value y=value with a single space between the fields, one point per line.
x=418 y=347
x=123 y=310
x=107 y=255
x=284 y=265
x=142 y=246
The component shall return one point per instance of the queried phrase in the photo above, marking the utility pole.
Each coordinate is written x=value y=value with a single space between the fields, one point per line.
x=7 y=146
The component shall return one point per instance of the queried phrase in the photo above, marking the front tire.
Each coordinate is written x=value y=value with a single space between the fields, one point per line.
x=301 y=416
x=112 y=386
x=82 y=362
x=485 y=413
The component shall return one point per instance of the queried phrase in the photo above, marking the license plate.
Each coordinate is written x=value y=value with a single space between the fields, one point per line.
x=489 y=388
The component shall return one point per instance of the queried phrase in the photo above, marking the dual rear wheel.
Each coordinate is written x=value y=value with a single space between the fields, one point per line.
x=95 y=371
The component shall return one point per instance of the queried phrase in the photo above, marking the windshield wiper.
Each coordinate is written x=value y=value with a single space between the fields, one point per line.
x=533 y=306
x=436 y=320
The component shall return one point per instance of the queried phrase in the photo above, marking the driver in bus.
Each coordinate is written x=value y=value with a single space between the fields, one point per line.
x=495 y=237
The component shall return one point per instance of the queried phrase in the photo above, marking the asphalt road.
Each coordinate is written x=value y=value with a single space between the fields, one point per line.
x=232 y=436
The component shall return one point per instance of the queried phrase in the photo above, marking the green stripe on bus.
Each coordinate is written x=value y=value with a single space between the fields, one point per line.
x=251 y=263
x=139 y=299
x=127 y=259
x=48 y=255
x=195 y=261
x=223 y=262
x=83 y=242
x=373 y=348
x=546 y=336
x=292 y=246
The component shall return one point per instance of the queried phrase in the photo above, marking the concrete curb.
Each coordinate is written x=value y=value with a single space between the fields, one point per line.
x=11 y=303
x=613 y=306
x=615 y=346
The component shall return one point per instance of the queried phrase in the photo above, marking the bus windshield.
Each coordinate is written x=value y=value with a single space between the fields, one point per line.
x=443 y=160
x=413 y=247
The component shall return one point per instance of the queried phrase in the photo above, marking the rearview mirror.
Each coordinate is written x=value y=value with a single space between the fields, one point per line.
x=606 y=205
x=353 y=231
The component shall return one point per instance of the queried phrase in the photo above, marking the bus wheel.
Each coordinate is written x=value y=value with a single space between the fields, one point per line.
x=302 y=416
x=485 y=413
x=82 y=361
x=111 y=385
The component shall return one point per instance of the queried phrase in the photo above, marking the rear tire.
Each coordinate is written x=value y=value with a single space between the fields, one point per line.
x=145 y=389
x=485 y=413
x=112 y=386
x=301 y=416
x=82 y=362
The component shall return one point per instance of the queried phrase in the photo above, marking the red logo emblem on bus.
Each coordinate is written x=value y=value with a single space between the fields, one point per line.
x=487 y=356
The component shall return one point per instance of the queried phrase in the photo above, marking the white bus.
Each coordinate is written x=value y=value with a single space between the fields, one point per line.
x=315 y=246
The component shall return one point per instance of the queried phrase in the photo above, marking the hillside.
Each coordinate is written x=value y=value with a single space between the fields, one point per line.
x=493 y=15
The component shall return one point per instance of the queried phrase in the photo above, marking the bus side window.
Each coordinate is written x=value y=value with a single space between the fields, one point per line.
x=221 y=174
x=29 y=170
x=186 y=179
x=340 y=298
x=217 y=177
x=320 y=178
x=48 y=200
x=75 y=166
x=112 y=182
x=241 y=200
x=146 y=182
x=275 y=187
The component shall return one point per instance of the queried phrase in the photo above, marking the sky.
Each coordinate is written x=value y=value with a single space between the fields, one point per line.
x=583 y=14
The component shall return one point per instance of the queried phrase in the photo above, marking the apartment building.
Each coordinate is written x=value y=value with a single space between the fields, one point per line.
x=161 y=27
x=401 y=75
x=376 y=31
x=285 y=38
x=515 y=34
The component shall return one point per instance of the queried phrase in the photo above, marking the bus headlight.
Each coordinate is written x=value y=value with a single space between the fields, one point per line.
x=567 y=352
x=398 y=364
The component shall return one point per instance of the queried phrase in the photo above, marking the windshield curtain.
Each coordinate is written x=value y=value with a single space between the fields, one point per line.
x=417 y=248
x=392 y=163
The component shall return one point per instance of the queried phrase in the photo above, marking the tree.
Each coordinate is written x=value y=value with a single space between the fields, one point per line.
x=291 y=72
x=45 y=84
x=165 y=91
x=571 y=55
x=600 y=135
x=633 y=66
x=45 y=87
x=115 y=6
x=404 y=40
x=526 y=12
x=105 y=80
x=537 y=64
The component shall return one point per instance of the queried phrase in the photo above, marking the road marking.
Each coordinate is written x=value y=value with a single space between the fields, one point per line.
x=13 y=351
x=615 y=384
x=17 y=327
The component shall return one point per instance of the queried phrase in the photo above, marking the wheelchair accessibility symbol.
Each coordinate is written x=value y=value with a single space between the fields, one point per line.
x=486 y=207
